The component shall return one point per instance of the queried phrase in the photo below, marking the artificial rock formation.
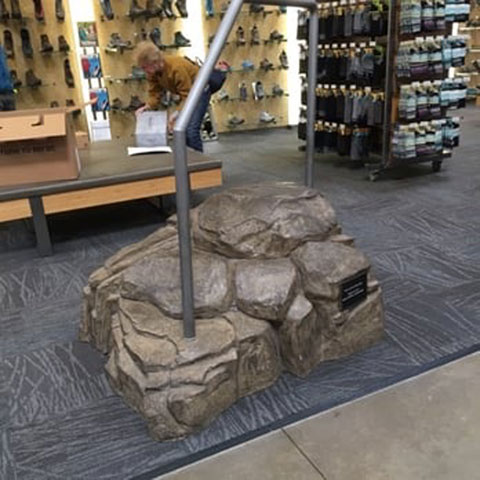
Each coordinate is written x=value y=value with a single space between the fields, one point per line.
x=277 y=288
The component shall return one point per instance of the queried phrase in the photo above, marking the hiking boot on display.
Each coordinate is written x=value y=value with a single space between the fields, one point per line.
x=259 y=91
x=59 y=10
x=69 y=80
x=266 y=65
x=45 y=45
x=117 y=43
x=182 y=8
x=255 y=8
x=276 y=36
x=180 y=40
x=265 y=117
x=234 y=121
x=16 y=12
x=283 y=60
x=27 y=48
x=222 y=95
x=135 y=104
x=4 y=13
x=277 y=90
x=255 y=36
x=243 y=93
x=107 y=9
x=54 y=104
x=138 y=73
x=240 y=36
x=8 y=44
x=16 y=82
x=156 y=37
x=63 y=46
x=117 y=104
x=39 y=13
x=248 y=65
x=136 y=10
x=209 y=8
x=31 y=79
x=167 y=8
x=153 y=10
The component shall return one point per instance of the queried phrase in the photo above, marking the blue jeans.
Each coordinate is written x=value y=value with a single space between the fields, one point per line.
x=194 y=135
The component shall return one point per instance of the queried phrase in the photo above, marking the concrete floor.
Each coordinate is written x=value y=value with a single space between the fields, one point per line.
x=427 y=428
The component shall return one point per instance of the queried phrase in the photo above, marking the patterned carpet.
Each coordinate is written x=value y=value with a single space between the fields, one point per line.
x=58 y=416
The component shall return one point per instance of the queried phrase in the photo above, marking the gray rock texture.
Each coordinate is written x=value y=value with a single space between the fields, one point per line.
x=270 y=268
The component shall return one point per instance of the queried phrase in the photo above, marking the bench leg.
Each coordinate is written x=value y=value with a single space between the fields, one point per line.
x=42 y=234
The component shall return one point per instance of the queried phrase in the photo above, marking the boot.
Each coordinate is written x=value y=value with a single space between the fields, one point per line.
x=107 y=9
x=4 y=14
x=156 y=37
x=266 y=65
x=153 y=10
x=135 y=103
x=39 y=13
x=255 y=40
x=277 y=90
x=259 y=91
x=136 y=10
x=283 y=60
x=254 y=8
x=45 y=45
x=181 y=41
x=69 y=80
x=240 y=35
x=117 y=104
x=54 y=104
x=8 y=44
x=167 y=8
x=234 y=121
x=63 y=46
x=32 y=80
x=16 y=12
x=26 y=43
x=16 y=82
x=59 y=10
x=182 y=8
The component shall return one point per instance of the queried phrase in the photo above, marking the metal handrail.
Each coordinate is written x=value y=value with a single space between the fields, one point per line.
x=182 y=178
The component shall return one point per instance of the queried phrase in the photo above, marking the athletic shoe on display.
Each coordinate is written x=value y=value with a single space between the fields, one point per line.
x=26 y=43
x=45 y=45
x=63 y=46
x=276 y=36
x=277 y=90
x=283 y=60
x=243 y=93
x=167 y=8
x=8 y=44
x=255 y=36
x=138 y=73
x=59 y=10
x=234 y=121
x=54 y=104
x=117 y=104
x=69 y=80
x=16 y=12
x=135 y=104
x=152 y=10
x=156 y=37
x=4 y=13
x=259 y=91
x=116 y=42
x=181 y=41
x=182 y=8
x=282 y=9
x=209 y=8
x=16 y=82
x=266 y=65
x=107 y=9
x=31 y=79
x=136 y=10
x=265 y=117
x=222 y=95
x=39 y=13
x=254 y=8
x=248 y=65
x=240 y=36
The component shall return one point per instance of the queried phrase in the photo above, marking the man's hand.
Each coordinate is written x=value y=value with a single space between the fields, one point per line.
x=171 y=121
x=141 y=110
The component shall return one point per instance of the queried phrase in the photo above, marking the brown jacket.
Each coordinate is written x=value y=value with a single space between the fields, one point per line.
x=177 y=77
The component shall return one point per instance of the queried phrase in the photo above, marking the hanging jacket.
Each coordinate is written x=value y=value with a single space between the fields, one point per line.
x=6 y=85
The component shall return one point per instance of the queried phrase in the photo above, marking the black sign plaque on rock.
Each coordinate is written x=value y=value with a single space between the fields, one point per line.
x=353 y=291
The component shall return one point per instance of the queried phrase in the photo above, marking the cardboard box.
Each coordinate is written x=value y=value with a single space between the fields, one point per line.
x=83 y=142
x=37 y=146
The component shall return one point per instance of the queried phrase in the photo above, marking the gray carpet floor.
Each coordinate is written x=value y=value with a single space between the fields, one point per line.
x=58 y=415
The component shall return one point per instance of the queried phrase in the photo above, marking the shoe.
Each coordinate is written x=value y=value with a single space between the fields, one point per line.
x=182 y=8
x=276 y=36
x=16 y=82
x=107 y=9
x=265 y=117
x=283 y=60
x=259 y=91
x=63 y=46
x=255 y=8
x=45 y=45
x=243 y=92
x=54 y=104
x=167 y=8
x=69 y=80
x=4 y=13
x=138 y=73
x=26 y=43
x=136 y=10
x=153 y=10
x=234 y=121
x=181 y=41
x=156 y=37
x=266 y=65
x=222 y=95
x=8 y=44
x=135 y=104
x=248 y=65
x=32 y=80
x=240 y=36
x=39 y=13
x=255 y=36
x=117 y=104
x=277 y=91
x=16 y=12
x=117 y=43
x=59 y=10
